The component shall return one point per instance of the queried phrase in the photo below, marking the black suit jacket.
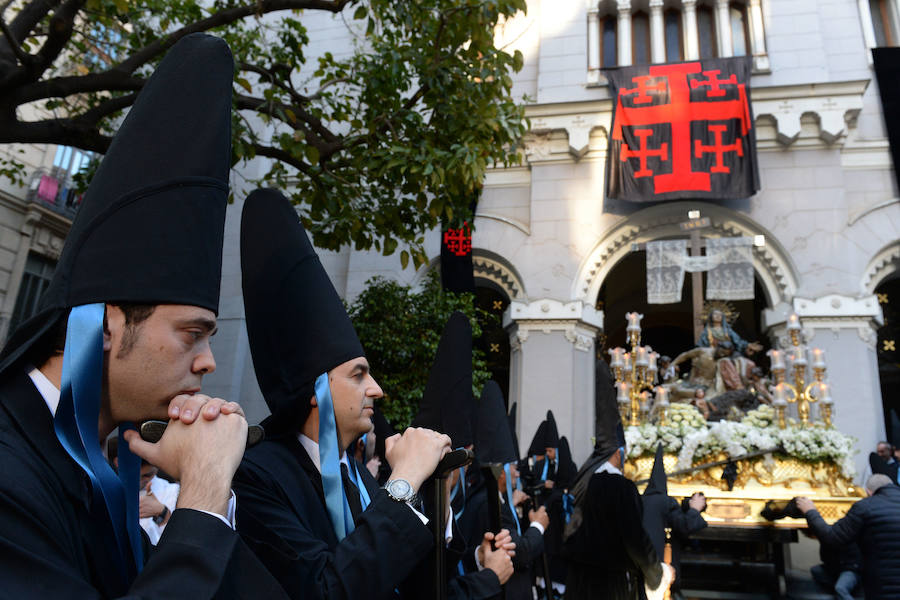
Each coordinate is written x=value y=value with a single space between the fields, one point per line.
x=283 y=517
x=53 y=547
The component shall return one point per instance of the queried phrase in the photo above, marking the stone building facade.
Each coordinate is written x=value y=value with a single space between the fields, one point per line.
x=547 y=238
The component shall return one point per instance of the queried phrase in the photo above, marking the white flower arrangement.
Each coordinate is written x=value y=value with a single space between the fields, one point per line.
x=694 y=440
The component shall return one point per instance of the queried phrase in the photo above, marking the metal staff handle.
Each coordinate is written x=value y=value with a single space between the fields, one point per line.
x=491 y=473
x=717 y=463
x=451 y=461
x=152 y=431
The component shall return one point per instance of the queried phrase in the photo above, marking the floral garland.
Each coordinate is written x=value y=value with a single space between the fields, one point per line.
x=694 y=440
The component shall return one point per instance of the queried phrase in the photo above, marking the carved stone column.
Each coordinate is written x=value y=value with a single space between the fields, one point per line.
x=657 y=32
x=689 y=23
x=623 y=32
x=723 y=28
x=593 y=45
x=845 y=328
x=552 y=367
x=758 y=37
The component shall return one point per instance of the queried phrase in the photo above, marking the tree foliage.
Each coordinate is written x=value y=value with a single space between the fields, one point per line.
x=400 y=330
x=376 y=145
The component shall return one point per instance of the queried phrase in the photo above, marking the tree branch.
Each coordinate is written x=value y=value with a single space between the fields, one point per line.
x=226 y=17
x=93 y=115
x=13 y=43
x=60 y=87
x=282 y=156
x=66 y=132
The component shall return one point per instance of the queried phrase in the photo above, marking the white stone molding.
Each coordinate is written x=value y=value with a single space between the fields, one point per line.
x=805 y=115
x=488 y=267
x=834 y=106
x=562 y=131
x=868 y=28
x=771 y=262
x=885 y=264
x=579 y=322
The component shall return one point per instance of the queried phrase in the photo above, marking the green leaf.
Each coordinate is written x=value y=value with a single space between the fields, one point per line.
x=312 y=154
x=360 y=12
x=244 y=84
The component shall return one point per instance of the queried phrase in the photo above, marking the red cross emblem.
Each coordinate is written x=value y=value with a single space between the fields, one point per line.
x=680 y=114
x=459 y=241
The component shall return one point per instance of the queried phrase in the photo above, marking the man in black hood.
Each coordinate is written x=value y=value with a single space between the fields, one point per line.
x=123 y=336
x=609 y=553
x=661 y=511
x=336 y=533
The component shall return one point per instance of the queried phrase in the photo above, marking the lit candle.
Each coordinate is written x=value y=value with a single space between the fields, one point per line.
x=641 y=359
x=777 y=359
x=779 y=396
x=645 y=401
x=624 y=389
x=653 y=356
x=823 y=393
x=799 y=358
x=818 y=358
x=628 y=366
x=634 y=321
x=617 y=359
x=793 y=322
x=662 y=396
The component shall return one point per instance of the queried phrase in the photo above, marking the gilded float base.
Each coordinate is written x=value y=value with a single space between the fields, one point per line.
x=759 y=480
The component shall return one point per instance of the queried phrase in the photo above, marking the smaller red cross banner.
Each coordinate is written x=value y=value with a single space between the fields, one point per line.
x=459 y=241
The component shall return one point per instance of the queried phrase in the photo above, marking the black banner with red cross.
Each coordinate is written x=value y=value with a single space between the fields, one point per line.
x=457 y=273
x=682 y=130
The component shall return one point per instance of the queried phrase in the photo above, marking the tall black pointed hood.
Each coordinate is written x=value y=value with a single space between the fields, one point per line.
x=551 y=433
x=296 y=323
x=565 y=473
x=537 y=448
x=447 y=404
x=512 y=426
x=493 y=439
x=151 y=225
x=609 y=434
x=658 y=482
x=383 y=430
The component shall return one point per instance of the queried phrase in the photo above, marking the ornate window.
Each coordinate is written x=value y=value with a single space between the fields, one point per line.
x=628 y=32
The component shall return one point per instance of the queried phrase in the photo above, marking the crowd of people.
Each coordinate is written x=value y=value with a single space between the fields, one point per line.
x=332 y=503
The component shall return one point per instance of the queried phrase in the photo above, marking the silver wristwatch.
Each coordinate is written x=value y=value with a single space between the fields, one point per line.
x=400 y=490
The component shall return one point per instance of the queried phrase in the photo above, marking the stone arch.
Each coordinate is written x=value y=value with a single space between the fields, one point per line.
x=885 y=264
x=489 y=267
x=771 y=262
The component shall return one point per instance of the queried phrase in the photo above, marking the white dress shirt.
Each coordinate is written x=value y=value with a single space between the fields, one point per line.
x=312 y=449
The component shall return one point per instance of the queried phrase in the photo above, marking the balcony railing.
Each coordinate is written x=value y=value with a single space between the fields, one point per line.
x=54 y=190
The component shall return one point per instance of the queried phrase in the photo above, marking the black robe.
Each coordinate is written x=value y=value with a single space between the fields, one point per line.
x=280 y=494
x=662 y=511
x=53 y=547
x=610 y=555
x=529 y=545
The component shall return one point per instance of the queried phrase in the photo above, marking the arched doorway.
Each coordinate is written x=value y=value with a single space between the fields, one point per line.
x=494 y=340
x=667 y=328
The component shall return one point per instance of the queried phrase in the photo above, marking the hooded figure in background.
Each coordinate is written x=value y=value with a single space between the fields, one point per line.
x=544 y=469
x=609 y=554
x=448 y=406
x=316 y=517
x=123 y=335
x=494 y=446
x=560 y=509
x=662 y=511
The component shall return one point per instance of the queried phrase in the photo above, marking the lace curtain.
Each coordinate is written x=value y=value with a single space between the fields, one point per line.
x=728 y=261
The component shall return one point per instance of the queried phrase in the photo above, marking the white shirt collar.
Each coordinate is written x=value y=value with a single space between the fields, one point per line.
x=45 y=387
x=312 y=448
x=607 y=467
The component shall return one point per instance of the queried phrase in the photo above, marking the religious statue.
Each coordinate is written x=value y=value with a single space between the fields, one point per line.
x=718 y=330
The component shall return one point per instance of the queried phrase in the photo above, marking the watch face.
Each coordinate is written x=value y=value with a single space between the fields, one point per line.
x=399 y=488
